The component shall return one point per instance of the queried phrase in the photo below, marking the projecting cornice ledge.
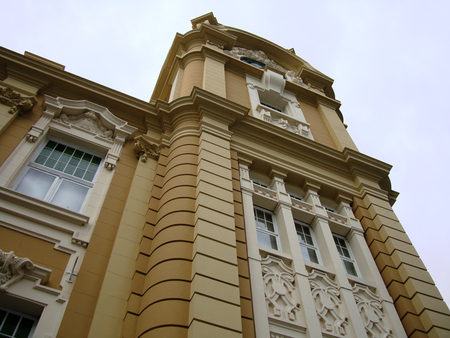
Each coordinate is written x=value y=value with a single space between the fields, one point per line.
x=199 y=106
x=369 y=168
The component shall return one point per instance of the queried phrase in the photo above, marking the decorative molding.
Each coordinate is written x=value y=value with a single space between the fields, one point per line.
x=266 y=192
x=371 y=311
x=327 y=300
x=94 y=119
x=283 y=121
x=88 y=121
x=38 y=128
x=278 y=335
x=145 y=148
x=259 y=55
x=212 y=43
x=12 y=269
x=302 y=205
x=13 y=99
x=281 y=294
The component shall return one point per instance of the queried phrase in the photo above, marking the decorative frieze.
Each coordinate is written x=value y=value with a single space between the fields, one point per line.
x=12 y=269
x=145 y=149
x=328 y=304
x=19 y=104
x=371 y=311
x=280 y=292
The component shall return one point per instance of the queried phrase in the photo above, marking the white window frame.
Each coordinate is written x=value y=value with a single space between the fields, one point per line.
x=22 y=315
x=59 y=177
x=307 y=246
x=269 y=93
x=272 y=234
x=344 y=258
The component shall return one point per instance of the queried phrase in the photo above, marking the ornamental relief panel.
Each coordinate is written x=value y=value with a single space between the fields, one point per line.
x=328 y=304
x=371 y=311
x=281 y=294
x=88 y=121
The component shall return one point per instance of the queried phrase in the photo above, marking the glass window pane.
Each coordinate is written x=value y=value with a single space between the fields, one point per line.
x=96 y=160
x=93 y=168
x=74 y=161
x=273 y=242
x=55 y=154
x=40 y=159
x=350 y=268
x=70 y=196
x=78 y=154
x=10 y=324
x=51 y=144
x=50 y=163
x=2 y=316
x=24 y=329
x=309 y=240
x=64 y=158
x=87 y=157
x=313 y=255
x=69 y=169
x=270 y=226
x=69 y=151
x=267 y=240
x=35 y=184
x=60 y=166
x=88 y=176
x=83 y=164
x=79 y=173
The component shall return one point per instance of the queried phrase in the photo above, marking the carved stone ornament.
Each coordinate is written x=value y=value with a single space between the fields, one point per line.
x=259 y=55
x=371 y=311
x=327 y=300
x=212 y=43
x=88 y=121
x=12 y=269
x=293 y=126
x=145 y=148
x=14 y=100
x=281 y=294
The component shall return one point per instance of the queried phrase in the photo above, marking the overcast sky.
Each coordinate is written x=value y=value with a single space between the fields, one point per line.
x=389 y=60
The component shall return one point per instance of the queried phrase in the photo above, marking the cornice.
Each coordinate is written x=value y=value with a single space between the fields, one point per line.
x=199 y=104
x=346 y=164
x=64 y=84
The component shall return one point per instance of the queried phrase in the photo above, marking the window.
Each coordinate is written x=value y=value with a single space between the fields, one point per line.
x=60 y=174
x=266 y=228
x=13 y=324
x=253 y=62
x=346 y=255
x=306 y=239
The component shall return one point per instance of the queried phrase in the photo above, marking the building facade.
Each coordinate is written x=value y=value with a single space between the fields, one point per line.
x=233 y=204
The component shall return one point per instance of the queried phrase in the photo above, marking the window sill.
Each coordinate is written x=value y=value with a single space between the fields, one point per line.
x=16 y=203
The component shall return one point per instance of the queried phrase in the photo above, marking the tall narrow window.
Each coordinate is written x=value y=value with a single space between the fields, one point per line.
x=307 y=241
x=346 y=255
x=266 y=228
x=60 y=174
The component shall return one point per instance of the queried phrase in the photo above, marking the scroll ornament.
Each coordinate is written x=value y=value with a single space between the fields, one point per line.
x=18 y=104
x=12 y=269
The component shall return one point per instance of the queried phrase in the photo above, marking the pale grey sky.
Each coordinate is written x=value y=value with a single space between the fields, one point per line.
x=389 y=60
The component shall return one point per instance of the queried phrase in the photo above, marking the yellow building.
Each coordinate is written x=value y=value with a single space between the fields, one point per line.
x=233 y=204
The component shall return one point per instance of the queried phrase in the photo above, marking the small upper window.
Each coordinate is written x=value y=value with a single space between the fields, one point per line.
x=60 y=174
x=307 y=242
x=266 y=228
x=252 y=62
x=346 y=254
